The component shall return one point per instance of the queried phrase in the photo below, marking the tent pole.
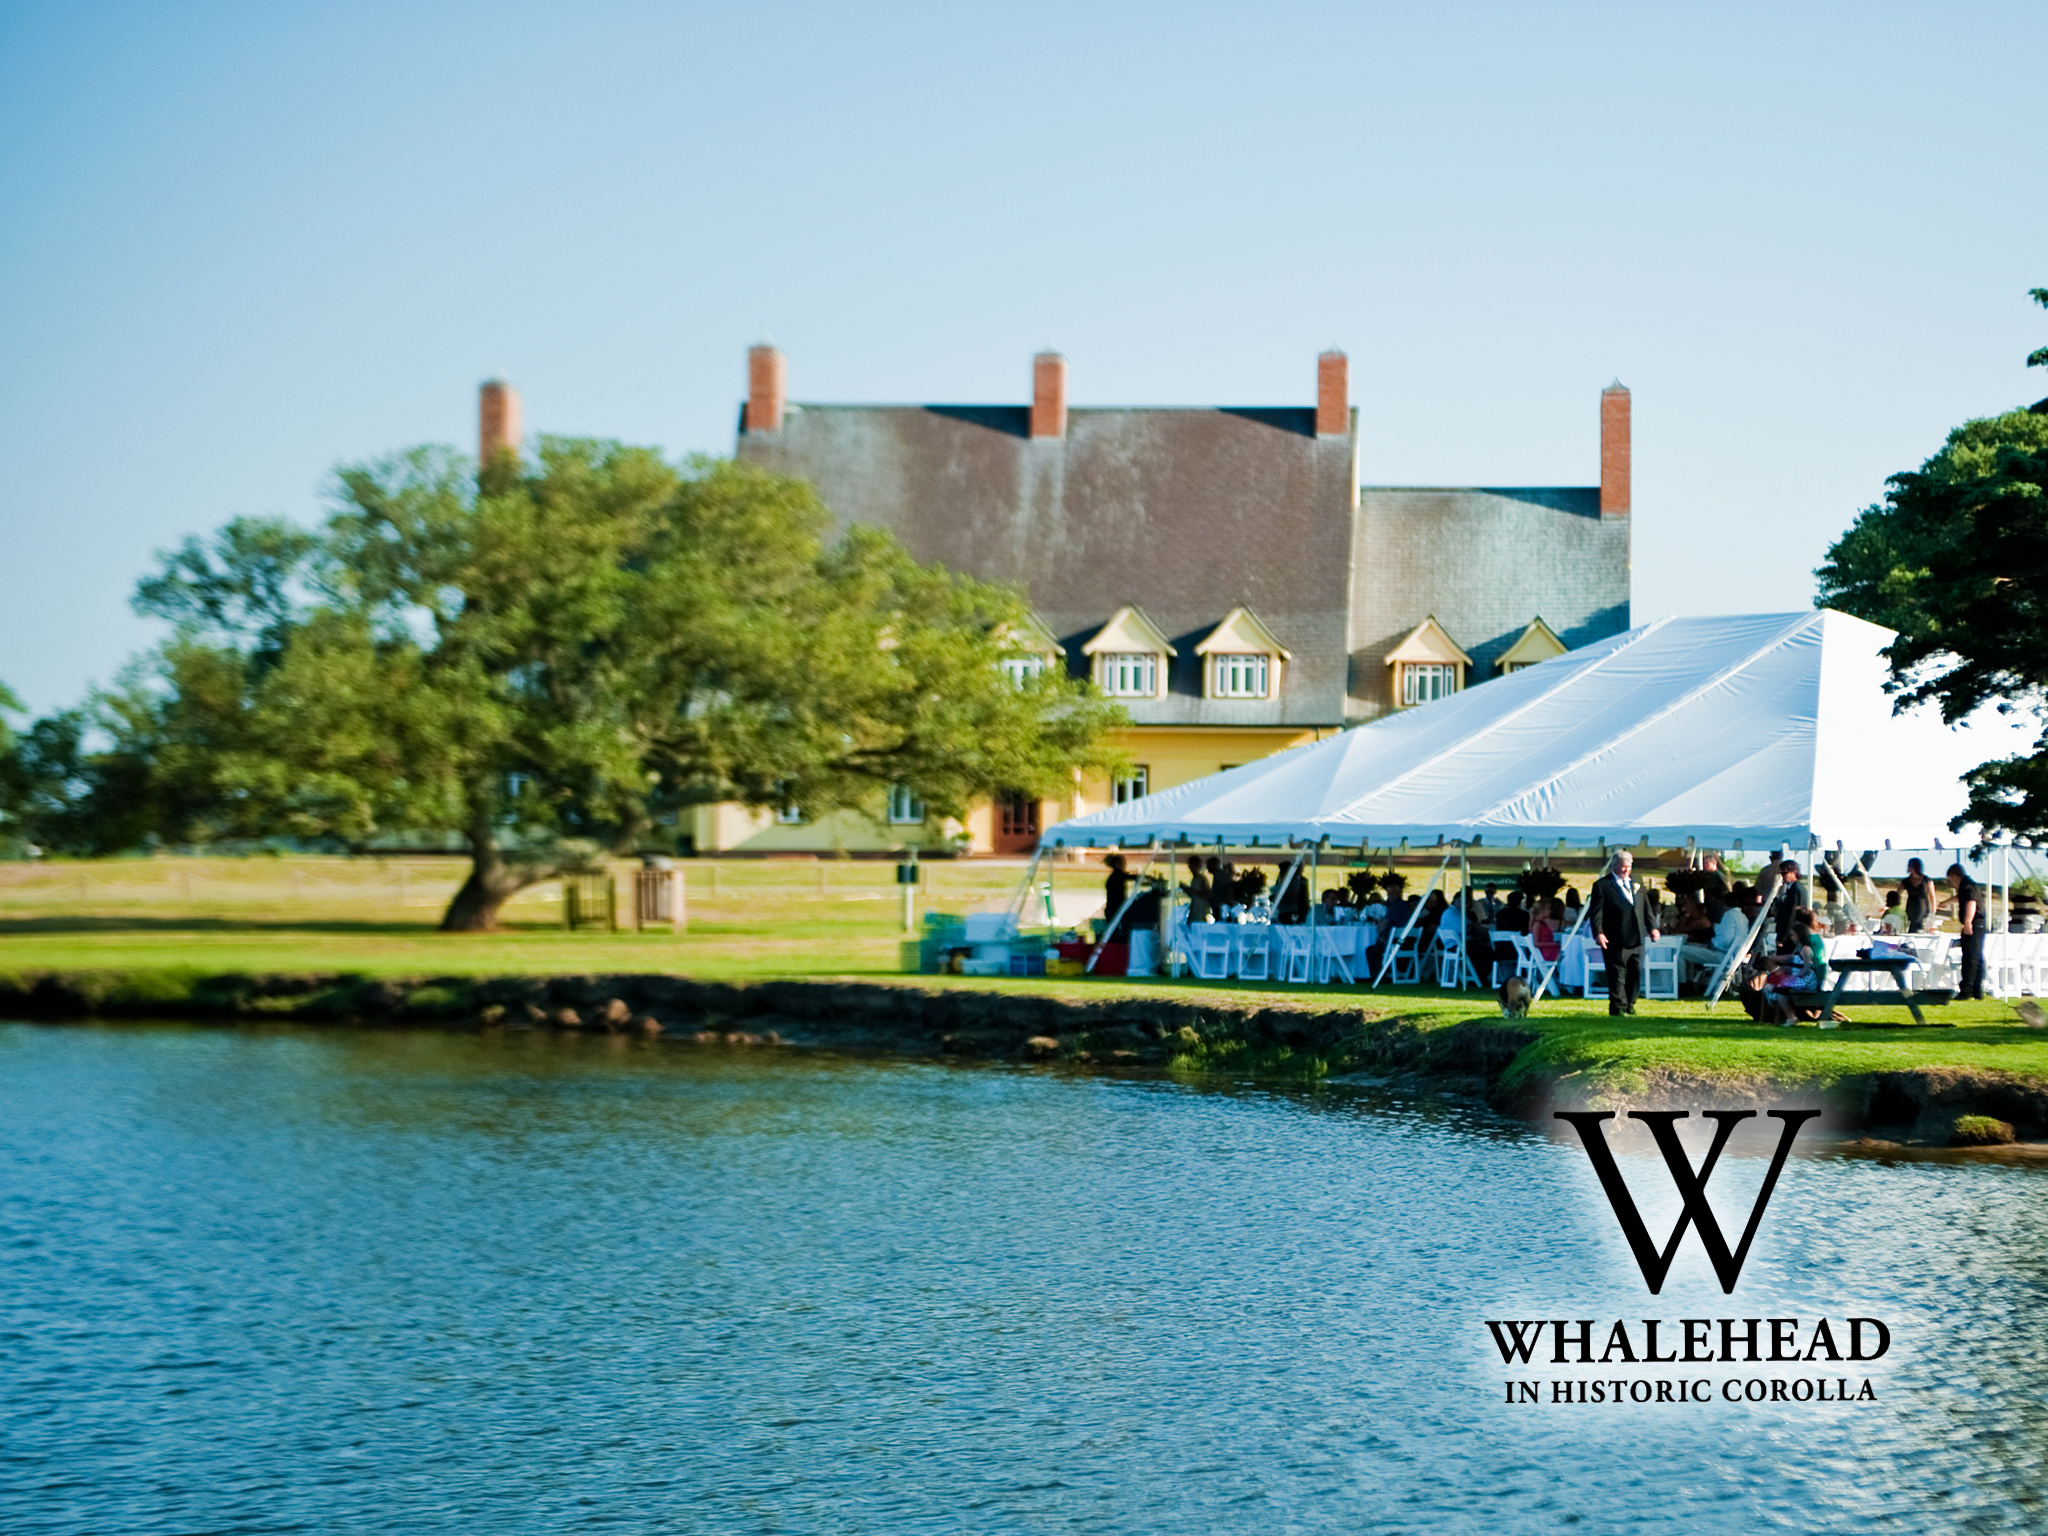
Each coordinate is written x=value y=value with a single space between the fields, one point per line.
x=1464 y=917
x=1740 y=952
x=1021 y=902
x=1414 y=917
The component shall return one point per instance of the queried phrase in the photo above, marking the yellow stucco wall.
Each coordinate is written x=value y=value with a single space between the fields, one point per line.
x=1171 y=754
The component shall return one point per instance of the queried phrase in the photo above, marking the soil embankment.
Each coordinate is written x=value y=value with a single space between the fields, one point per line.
x=1507 y=1063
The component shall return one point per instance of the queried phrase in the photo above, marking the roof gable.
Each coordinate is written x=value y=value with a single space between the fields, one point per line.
x=1033 y=635
x=1241 y=631
x=1428 y=641
x=1129 y=629
x=1536 y=643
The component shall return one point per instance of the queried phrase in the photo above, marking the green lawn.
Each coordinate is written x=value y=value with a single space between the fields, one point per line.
x=840 y=919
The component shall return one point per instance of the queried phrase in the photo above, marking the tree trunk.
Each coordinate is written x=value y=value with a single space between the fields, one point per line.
x=491 y=883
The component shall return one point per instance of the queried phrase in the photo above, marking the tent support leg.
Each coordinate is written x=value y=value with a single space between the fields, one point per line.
x=1021 y=902
x=1414 y=917
x=1750 y=939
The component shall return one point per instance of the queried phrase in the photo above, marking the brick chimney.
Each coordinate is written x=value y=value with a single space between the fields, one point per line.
x=767 y=388
x=1333 y=394
x=497 y=421
x=1614 y=450
x=1048 y=395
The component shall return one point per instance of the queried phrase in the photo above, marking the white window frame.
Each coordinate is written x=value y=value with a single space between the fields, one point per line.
x=1240 y=675
x=906 y=808
x=1417 y=678
x=1023 y=670
x=790 y=816
x=1134 y=787
x=1128 y=674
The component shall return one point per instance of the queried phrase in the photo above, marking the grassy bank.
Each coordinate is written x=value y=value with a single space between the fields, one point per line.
x=185 y=936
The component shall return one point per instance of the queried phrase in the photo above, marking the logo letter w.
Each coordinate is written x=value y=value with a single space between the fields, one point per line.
x=1692 y=1186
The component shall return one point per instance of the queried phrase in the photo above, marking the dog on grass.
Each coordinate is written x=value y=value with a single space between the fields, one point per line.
x=1514 y=998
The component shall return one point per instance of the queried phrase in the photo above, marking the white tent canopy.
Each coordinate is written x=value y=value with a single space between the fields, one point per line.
x=1754 y=732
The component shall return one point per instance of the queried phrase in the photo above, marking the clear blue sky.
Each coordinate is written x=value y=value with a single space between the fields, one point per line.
x=242 y=243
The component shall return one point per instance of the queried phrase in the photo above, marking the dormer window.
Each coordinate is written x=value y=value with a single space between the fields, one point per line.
x=1427 y=665
x=1129 y=656
x=1128 y=674
x=1241 y=658
x=1234 y=676
x=1031 y=651
x=1023 y=669
x=1537 y=643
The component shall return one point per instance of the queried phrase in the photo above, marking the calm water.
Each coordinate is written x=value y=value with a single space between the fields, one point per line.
x=413 y=1283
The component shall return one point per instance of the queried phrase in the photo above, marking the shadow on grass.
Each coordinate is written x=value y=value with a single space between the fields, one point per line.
x=218 y=925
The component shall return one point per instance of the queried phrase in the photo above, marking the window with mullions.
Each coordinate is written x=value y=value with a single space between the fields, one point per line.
x=905 y=807
x=1022 y=670
x=1136 y=787
x=1129 y=674
x=1235 y=676
x=1422 y=681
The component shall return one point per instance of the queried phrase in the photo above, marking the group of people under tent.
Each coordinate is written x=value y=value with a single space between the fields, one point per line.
x=1790 y=956
x=1712 y=917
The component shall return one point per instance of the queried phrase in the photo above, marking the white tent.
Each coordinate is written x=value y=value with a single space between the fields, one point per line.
x=1751 y=732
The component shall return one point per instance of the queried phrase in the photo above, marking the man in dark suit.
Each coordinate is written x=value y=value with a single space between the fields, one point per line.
x=1623 y=921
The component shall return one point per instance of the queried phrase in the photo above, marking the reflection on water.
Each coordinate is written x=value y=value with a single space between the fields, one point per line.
x=424 y=1283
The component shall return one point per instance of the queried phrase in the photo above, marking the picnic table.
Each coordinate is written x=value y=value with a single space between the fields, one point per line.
x=1895 y=966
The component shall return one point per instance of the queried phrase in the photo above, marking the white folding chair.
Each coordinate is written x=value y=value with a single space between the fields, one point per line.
x=1255 y=955
x=1596 y=973
x=1660 y=969
x=1407 y=969
x=1209 y=951
x=1297 y=953
x=1452 y=963
x=1334 y=949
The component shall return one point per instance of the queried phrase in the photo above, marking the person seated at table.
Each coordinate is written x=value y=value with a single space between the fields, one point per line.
x=1572 y=906
x=1546 y=928
x=1433 y=912
x=1514 y=917
x=1802 y=968
x=1702 y=956
x=1892 y=920
x=1330 y=905
x=1489 y=905
x=1693 y=921
x=1200 y=909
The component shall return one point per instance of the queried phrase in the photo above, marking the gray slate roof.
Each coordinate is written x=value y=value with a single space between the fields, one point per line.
x=1185 y=513
x=1485 y=562
x=1190 y=512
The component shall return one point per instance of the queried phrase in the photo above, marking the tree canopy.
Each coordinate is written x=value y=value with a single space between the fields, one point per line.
x=1956 y=560
x=554 y=661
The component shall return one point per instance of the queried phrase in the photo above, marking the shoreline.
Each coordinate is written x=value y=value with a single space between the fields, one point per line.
x=1521 y=1068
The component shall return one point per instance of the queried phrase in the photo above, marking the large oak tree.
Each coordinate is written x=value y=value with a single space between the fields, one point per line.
x=1956 y=560
x=549 y=662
